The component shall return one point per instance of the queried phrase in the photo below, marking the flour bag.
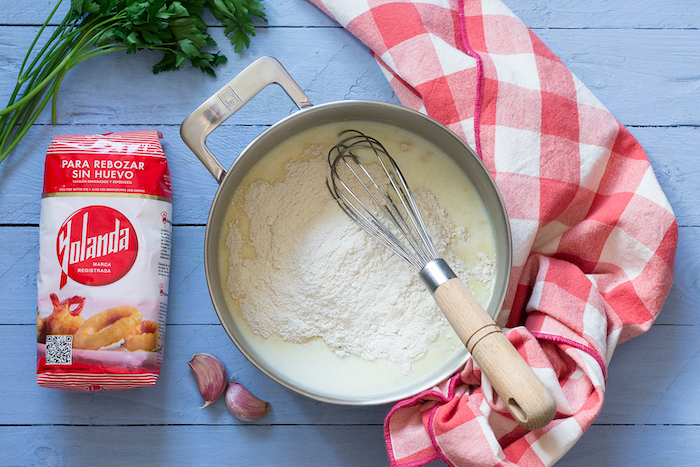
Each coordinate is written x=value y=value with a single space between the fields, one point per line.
x=104 y=261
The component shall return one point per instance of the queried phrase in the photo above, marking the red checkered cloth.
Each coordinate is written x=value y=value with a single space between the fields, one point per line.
x=594 y=236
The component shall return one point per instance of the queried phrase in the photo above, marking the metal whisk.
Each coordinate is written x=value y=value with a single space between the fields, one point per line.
x=368 y=185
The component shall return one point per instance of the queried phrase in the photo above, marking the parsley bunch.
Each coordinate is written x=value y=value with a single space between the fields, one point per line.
x=96 y=27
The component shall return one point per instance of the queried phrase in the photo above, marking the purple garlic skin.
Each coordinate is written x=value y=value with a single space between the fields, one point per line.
x=210 y=374
x=243 y=405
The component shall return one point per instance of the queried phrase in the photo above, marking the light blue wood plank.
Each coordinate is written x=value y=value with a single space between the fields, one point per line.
x=19 y=253
x=287 y=13
x=606 y=14
x=189 y=299
x=627 y=446
x=652 y=380
x=680 y=307
x=174 y=400
x=539 y=14
x=294 y=446
x=637 y=74
x=279 y=446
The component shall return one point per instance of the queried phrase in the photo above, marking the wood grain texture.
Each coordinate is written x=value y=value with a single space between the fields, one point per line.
x=636 y=73
x=606 y=14
x=537 y=14
x=640 y=58
x=296 y=446
x=200 y=445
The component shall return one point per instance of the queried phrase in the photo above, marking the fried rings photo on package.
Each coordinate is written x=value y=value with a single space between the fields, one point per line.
x=107 y=328
x=144 y=337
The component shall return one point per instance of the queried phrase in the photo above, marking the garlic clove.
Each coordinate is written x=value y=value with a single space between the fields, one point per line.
x=210 y=374
x=243 y=405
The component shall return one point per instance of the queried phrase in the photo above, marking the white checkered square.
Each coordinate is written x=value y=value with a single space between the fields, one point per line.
x=548 y=238
x=522 y=230
x=559 y=439
x=595 y=322
x=513 y=151
x=452 y=60
x=621 y=245
x=416 y=51
x=350 y=11
x=650 y=189
x=468 y=129
x=592 y=165
x=517 y=69
x=495 y=8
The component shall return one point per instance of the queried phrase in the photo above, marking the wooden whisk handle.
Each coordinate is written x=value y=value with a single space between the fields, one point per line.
x=527 y=399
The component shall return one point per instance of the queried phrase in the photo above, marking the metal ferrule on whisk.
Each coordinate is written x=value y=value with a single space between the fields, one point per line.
x=435 y=273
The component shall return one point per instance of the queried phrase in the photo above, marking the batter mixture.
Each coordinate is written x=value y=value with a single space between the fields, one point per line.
x=319 y=296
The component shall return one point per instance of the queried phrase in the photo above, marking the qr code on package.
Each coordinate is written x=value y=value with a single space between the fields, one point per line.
x=59 y=350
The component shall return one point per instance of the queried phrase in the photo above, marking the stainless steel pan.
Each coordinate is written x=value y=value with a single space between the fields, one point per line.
x=231 y=97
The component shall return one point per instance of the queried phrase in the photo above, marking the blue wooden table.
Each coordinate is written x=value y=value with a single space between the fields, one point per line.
x=642 y=60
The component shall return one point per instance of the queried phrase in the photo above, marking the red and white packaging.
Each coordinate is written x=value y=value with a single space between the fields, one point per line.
x=104 y=261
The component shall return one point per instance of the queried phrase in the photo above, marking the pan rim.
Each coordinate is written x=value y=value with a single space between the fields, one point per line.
x=256 y=150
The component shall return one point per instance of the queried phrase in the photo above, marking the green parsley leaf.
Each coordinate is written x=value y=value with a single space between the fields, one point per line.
x=94 y=27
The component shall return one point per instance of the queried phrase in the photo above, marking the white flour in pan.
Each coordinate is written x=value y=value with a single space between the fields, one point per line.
x=317 y=274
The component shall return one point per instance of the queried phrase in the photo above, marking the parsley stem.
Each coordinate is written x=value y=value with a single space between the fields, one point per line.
x=95 y=27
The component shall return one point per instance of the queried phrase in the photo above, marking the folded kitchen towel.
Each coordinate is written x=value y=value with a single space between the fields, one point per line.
x=594 y=237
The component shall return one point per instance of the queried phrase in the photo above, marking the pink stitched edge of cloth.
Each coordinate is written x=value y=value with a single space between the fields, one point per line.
x=594 y=236
x=479 y=76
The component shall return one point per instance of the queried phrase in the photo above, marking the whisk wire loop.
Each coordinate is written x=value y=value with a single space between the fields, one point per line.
x=370 y=223
x=409 y=204
x=382 y=203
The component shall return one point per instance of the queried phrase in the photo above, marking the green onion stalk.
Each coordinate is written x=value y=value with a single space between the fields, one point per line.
x=96 y=27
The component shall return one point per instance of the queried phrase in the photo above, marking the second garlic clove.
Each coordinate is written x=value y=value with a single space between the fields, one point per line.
x=243 y=405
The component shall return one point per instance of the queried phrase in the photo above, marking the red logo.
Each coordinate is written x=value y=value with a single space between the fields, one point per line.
x=96 y=245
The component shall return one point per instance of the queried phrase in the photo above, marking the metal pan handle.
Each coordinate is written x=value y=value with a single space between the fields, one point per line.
x=227 y=100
